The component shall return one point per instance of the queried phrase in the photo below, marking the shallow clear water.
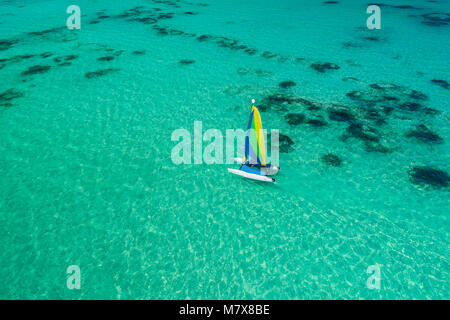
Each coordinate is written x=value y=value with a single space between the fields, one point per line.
x=86 y=176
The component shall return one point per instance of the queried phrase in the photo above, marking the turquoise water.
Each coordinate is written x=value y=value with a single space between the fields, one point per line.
x=86 y=176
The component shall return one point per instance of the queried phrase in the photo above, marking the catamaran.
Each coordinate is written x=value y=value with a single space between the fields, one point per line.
x=253 y=164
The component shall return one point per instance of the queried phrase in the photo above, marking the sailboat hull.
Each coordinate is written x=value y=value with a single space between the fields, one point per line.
x=271 y=170
x=251 y=175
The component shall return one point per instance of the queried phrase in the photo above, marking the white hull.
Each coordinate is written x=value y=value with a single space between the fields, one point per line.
x=251 y=175
x=271 y=171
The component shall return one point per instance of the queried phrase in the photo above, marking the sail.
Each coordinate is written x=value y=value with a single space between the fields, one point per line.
x=255 y=152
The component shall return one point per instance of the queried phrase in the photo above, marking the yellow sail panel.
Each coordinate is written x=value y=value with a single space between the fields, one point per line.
x=255 y=152
x=261 y=153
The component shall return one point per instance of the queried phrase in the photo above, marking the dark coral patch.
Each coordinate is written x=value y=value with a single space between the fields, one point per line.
x=145 y=16
x=331 y=2
x=36 y=70
x=295 y=118
x=285 y=143
x=362 y=132
x=226 y=42
x=287 y=84
x=345 y=79
x=331 y=160
x=69 y=57
x=376 y=86
x=167 y=15
x=133 y=12
x=204 y=37
x=375 y=146
x=234 y=45
x=65 y=64
x=340 y=114
x=268 y=55
x=387 y=98
x=312 y=106
x=146 y=20
x=221 y=41
x=414 y=94
x=46 y=54
x=364 y=97
x=161 y=30
x=9 y=95
x=7 y=44
x=424 y=134
x=388 y=110
x=281 y=98
x=26 y=56
x=42 y=32
x=99 y=73
x=371 y=38
x=106 y=58
x=436 y=19
x=390 y=98
x=164 y=31
x=186 y=61
x=263 y=107
x=444 y=84
x=59 y=34
x=429 y=176
x=434 y=23
x=175 y=32
x=430 y=111
x=324 y=67
x=405 y=6
x=350 y=44
x=250 y=51
x=411 y=106
x=17 y=58
x=384 y=86
x=139 y=52
x=317 y=123
x=374 y=115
